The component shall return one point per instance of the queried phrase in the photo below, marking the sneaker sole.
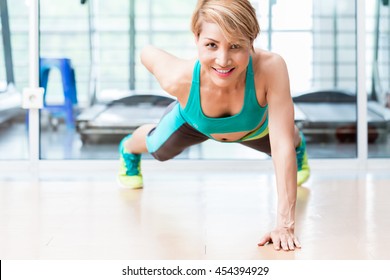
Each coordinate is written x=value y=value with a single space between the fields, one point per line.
x=122 y=186
x=303 y=180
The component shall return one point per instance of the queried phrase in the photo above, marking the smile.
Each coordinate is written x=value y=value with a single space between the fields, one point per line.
x=224 y=72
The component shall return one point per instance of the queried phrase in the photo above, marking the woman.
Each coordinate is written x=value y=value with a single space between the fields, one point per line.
x=230 y=93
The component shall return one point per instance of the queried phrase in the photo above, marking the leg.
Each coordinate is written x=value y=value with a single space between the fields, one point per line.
x=303 y=169
x=130 y=175
x=172 y=135
x=130 y=149
x=164 y=148
x=137 y=143
x=262 y=144
x=164 y=141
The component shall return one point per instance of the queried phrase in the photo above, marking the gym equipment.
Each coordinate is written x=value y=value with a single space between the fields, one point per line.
x=66 y=109
x=122 y=116
x=333 y=112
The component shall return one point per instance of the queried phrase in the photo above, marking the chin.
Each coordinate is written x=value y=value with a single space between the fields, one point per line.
x=222 y=82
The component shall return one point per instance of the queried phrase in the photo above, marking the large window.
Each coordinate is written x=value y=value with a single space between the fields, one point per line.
x=100 y=41
x=378 y=77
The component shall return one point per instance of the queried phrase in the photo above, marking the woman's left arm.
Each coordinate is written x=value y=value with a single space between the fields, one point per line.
x=281 y=133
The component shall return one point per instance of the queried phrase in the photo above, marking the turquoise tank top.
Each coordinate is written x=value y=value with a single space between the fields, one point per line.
x=248 y=119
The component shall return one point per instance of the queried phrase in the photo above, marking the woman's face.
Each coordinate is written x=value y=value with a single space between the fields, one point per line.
x=223 y=61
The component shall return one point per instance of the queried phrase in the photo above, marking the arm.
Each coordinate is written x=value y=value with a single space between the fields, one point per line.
x=166 y=68
x=281 y=131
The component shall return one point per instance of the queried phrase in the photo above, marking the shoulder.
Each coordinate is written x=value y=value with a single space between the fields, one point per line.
x=178 y=81
x=270 y=69
x=271 y=76
x=267 y=63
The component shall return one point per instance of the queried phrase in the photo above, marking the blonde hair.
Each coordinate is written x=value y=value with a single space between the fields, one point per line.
x=236 y=19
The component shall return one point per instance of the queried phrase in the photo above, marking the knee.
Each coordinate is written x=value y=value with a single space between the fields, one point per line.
x=162 y=157
x=164 y=154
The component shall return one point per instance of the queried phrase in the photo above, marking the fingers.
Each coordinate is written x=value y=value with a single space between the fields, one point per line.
x=284 y=243
x=266 y=238
x=270 y=238
x=296 y=242
x=289 y=243
x=277 y=241
x=281 y=240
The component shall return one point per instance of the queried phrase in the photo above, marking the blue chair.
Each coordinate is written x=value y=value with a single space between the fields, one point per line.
x=66 y=109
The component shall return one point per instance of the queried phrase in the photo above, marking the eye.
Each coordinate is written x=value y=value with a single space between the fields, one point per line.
x=235 y=46
x=211 y=45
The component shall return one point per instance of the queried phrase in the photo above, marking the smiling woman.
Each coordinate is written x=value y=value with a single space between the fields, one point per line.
x=230 y=93
x=226 y=60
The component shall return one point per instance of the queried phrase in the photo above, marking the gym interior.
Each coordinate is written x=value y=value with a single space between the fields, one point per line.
x=72 y=85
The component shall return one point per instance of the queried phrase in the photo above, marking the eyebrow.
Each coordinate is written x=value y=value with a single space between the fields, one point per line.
x=211 y=39
x=216 y=41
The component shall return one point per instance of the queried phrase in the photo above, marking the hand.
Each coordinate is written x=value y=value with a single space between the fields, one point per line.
x=281 y=238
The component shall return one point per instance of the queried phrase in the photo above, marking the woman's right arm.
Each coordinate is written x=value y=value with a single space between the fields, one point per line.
x=166 y=67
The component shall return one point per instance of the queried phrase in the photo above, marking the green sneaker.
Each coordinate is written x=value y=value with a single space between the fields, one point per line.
x=129 y=175
x=302 y=162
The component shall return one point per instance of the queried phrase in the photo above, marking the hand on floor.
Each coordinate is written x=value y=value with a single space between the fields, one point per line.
x=282 y=239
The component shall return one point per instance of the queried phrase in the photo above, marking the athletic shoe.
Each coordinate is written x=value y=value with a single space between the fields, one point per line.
x=302 y=162
x=130 y=175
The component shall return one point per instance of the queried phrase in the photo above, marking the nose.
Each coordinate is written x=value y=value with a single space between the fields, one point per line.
x=223 y=58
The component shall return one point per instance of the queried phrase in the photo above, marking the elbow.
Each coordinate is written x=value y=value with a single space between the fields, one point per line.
x=145 y=54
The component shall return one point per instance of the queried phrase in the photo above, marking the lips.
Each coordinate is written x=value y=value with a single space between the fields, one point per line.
x=224 y=72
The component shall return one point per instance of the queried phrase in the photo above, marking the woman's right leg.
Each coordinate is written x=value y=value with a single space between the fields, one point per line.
x=136 y=144
x=303 y=169
x=130 y=149
x=164 y=141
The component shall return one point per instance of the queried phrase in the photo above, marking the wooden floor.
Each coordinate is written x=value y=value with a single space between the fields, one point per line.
x=193 y=216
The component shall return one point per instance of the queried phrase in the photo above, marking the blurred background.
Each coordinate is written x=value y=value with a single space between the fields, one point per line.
x=97 y=91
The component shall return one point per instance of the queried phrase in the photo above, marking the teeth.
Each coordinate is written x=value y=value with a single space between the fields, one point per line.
x=222 y=71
